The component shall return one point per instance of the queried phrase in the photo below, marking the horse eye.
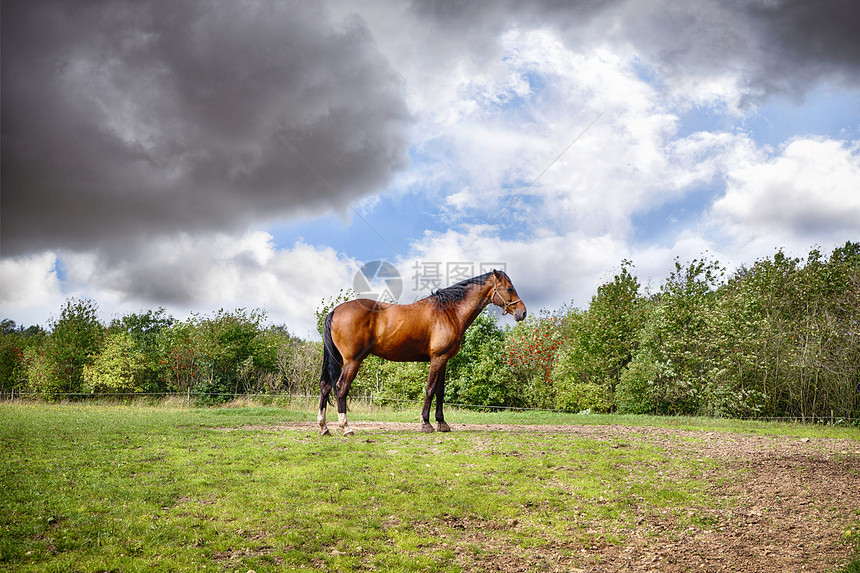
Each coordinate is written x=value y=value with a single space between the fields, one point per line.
x=510 y=290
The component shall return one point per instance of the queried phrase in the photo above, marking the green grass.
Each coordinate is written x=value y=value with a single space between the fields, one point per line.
x=129 y=488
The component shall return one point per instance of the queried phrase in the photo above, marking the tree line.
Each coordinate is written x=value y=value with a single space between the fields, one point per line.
x=214 y=356
x=778 y=338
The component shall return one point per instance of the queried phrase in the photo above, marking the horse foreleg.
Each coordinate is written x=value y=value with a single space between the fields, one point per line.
x=440 y=399
x=435 y=383
x=426 y=426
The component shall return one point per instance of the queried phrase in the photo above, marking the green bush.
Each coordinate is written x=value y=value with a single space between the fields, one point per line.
x=14 y=344
x=119 y=368
x=41 y=377
x=598 y=344
x=486 y=382
x=584 y=397
x=57 y=366
x=145 y=330
x=634 y=392
x=531 y=348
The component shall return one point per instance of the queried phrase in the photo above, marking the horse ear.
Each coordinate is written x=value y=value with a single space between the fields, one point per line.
x=496 y=274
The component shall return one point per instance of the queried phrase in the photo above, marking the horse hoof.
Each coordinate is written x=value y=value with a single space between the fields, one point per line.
x=325 y=432
x=427 y=428
x=348 y=433
x=443 y=427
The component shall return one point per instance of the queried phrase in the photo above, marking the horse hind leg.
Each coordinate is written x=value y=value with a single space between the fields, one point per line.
x=325 y=390
x=350 y=369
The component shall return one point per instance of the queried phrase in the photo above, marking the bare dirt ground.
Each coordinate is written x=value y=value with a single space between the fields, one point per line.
x=790 y=502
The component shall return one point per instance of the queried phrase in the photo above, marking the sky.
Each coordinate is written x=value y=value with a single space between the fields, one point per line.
x=265 y=154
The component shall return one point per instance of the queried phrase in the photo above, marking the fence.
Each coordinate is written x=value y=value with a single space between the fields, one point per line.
x=190 y=398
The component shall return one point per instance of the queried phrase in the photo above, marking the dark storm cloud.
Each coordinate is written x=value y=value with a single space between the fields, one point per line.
x=806 y=40
x=774 y=46
x=476 y=27
x=565 y=14
x=125 y=120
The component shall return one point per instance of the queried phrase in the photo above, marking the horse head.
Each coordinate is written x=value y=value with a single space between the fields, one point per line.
x=505 y=296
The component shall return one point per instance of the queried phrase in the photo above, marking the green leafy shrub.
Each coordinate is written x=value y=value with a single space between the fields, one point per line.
x=119 y=368
x=634 y=394
x=56 y=367
x=531 y=348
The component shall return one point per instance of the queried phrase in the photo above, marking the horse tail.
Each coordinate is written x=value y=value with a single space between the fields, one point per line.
x=332 y=360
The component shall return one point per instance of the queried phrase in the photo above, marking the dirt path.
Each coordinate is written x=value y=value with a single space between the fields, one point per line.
x=791 y=502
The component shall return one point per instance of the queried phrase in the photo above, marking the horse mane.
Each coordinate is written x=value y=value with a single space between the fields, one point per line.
x=457 y=292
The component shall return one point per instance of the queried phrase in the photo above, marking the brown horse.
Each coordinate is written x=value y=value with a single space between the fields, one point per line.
x=429 y=330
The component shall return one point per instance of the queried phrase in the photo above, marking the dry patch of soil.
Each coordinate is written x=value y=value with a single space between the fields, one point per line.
x=790 y=502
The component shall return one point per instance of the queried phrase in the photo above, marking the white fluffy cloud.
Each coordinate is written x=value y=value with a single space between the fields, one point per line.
x=514 y=121
x=806 y=192
x=548 y=271
x=193 y=273
x=29 y=284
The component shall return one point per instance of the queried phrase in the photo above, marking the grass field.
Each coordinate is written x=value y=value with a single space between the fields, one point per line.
x=132 y=488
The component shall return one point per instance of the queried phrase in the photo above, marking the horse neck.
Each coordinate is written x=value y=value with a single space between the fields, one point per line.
x=473 y=304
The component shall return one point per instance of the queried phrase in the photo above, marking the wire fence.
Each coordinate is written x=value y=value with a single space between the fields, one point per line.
x=191 y=398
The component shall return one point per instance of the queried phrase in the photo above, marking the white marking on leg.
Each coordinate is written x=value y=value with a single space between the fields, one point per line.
x=321 y=421
x=341 y=421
